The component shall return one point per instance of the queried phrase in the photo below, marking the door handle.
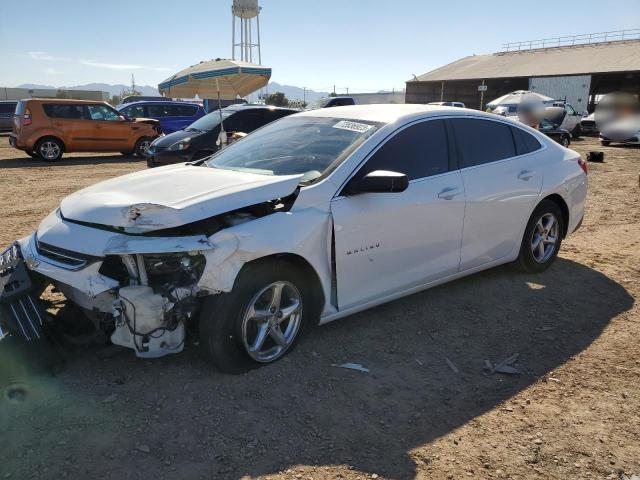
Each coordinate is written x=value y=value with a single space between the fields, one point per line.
x=449 y=193
x=526 y=175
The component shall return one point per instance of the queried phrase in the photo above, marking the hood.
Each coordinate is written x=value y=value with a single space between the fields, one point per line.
x=167 y=140
x=151 y=121
x=172 y=196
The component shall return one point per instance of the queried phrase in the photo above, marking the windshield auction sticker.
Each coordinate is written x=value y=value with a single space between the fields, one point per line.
x=353 y=126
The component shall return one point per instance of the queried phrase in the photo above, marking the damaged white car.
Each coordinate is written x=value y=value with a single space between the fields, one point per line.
x=309 y=219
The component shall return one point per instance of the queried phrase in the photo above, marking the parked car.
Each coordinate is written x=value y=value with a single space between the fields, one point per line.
x=566 y=118
x=625 y=131
x=448 y=104
x=46 y=128
x=199 y=139
x=552 y=130
x=588 y=125
x=7 y=108
x=145 y=98
x=338 y=102
x=173 y=116
x=312 y=218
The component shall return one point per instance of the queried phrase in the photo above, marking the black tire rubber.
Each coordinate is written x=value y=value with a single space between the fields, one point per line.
x=577 y=131
x=32 y=154
x=137 y=150
x=525 y=261
x=127 y=153
x=565 y=141
x=220 y=323
x=605 y=143
x=48 y=139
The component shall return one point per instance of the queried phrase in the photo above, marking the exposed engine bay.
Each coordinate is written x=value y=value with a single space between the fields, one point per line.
x=151 y=299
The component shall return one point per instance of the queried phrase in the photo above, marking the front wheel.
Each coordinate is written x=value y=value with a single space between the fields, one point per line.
x=565 y=141
x=142 y=145
x=260 y=320
x=542 y=238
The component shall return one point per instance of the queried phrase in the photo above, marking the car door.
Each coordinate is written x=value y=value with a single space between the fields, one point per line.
x=501 y=185
x=389 y=242
x=112 y=133
x=71 y=123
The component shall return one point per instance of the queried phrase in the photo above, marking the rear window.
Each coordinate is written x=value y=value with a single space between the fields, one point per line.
x=7 y=108
x=482 y=141
x=59 y=110
x=185 y=110
x=525 y=142
x=20 y=108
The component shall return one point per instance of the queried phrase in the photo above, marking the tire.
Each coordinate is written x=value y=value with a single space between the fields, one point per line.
x=544 y=256
x=141 y=147
x=577 y=131
x=605 y=143
x=32 y=154
x=49 y=149
x=565 y=141
x=228 y=330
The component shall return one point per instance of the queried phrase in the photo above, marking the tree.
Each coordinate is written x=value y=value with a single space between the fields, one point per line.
x=277 y=99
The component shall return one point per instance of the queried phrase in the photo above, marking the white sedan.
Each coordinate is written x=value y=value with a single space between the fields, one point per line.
x=312 y=218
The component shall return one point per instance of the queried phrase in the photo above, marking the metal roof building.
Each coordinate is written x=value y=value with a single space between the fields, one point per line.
x=572 y=68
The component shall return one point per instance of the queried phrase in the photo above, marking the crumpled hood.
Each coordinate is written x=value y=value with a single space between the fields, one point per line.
x=172 y=196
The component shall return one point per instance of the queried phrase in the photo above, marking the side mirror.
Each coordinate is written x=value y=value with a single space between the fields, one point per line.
x=122 y=118
x=379 y=181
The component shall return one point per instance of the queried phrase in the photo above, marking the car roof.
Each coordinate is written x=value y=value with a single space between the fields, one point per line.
x=9 y=101
x=390 y=113
x=249 y=106
x=63 y=100
x=162 y=102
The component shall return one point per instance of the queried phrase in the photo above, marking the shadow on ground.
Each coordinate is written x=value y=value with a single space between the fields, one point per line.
x=120 y=417
x=27 y=162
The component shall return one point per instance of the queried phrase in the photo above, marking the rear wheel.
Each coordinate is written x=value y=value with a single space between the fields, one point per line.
x=565 y=140
x=605 y=143
x=542 y=238
x=260 y=320
x=49 y=149
x=142 y=145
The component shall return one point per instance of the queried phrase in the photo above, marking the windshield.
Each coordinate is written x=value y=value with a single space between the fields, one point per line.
x=210 y=121
x=311 y=146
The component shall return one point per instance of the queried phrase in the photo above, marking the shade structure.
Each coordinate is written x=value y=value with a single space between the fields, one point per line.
x=519 y=96
x=227 y=79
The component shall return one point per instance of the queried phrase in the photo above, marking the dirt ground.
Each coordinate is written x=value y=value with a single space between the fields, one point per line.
x=425 y=410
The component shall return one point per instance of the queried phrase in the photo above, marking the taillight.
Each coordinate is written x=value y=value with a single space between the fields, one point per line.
x=583 y=165
x=26 y=118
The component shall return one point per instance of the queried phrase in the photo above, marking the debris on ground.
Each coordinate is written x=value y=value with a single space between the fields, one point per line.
x=451 y=365
x=352 y=366
x=505 y=366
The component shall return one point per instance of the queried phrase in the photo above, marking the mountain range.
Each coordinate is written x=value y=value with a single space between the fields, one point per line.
x=291 y=92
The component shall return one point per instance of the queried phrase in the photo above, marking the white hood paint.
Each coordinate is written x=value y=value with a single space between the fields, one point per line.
x=171 y=196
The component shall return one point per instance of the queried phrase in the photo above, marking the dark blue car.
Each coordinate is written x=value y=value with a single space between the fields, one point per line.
x=173 y=116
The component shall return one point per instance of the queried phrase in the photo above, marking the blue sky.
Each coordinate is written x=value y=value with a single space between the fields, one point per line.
x=363 y=45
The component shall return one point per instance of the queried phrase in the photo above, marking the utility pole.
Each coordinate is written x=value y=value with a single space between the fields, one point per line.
x=347 y=90
x=304 y=95
x=334 y=90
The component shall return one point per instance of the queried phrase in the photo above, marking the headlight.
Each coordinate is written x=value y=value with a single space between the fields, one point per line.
x=181 y=145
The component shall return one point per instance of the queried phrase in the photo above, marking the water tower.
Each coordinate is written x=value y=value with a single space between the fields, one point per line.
x=245 y=12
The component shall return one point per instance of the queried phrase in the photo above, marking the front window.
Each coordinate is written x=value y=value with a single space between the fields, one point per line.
x=102 y=112
x=310 y=146
x=211 y=121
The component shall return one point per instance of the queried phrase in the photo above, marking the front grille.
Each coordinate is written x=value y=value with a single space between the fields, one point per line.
x=62 y=257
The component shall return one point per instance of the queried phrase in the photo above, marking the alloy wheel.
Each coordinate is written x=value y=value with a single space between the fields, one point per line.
x=544 y=240
x=50 y=150
x=271 y=321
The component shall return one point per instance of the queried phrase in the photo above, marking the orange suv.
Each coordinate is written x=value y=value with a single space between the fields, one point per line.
x=45 y=128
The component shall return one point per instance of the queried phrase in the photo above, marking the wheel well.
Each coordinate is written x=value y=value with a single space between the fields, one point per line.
x=309 y=272
x=64 y=148
x=562 y=205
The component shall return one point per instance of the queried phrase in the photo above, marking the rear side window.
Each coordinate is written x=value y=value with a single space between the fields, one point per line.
x=59 y=110
x=418 y=151
x=7 y=108
x=525 y=142
x=245 y=121
x=482 y=141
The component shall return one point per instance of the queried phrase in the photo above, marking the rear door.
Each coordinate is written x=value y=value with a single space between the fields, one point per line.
x=502 y=183
x=70 y=122
x=111 y=132
x=389 y=242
